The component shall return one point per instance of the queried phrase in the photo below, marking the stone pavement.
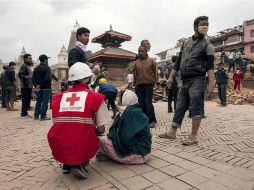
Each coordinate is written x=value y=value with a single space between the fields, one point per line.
x=223 y=159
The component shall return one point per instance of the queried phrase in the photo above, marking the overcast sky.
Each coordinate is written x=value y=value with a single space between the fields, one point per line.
x=44 y=26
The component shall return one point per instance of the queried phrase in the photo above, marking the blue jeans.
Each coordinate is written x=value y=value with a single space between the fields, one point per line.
x=42 y=100
x=145 y=96
x=191 y=96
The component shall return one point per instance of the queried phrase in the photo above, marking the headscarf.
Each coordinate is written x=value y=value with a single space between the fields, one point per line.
x=129 y=98
x=130 y=132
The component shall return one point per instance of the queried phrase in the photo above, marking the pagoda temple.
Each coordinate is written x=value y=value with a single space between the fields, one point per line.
x=112 y=57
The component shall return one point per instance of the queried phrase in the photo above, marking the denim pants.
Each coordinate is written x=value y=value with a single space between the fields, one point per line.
x=145 y=96
x=26 y=94
x=191 y=96
x=42 y=100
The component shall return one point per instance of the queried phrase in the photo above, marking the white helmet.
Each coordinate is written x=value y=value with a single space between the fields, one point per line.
x=79 y=71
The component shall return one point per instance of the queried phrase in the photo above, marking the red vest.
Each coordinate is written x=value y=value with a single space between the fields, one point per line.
x=72 y=137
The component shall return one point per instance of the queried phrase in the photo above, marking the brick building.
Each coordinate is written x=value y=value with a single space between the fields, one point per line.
x=249 y=38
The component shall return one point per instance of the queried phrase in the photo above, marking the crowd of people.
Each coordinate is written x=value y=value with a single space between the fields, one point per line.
x=32 y=81
x=80 y=111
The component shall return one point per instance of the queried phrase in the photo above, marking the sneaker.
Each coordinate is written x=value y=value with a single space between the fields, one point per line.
x=80 y=172
x=152 y=125
x=26 y=117
x=190 y=141
x=66 y=169
x=45 y=118
x=36 y=118
x=167 y=136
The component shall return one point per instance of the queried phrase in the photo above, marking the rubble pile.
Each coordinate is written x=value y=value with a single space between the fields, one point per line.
x=235 y=97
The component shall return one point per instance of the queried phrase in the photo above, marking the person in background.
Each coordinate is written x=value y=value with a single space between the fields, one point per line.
x=222 y=81
x=3 y=85
x=245 y=62
x=145 y=77
x=64 y=85
x=78 y=52
x=129 y=139
x=96 y=76
x=166 y=69
x=224 y=58
x=10 y=87
x=53 y=77
x=42 y=82
x=173 y=90
x=238 y=60
x=25 y=75
x=231 y=61
x=110 y=93
x=79 y=115
x=146 y=44
x=237 y=78
x=130 y=80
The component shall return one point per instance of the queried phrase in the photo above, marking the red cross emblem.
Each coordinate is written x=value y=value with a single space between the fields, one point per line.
x=73 y=99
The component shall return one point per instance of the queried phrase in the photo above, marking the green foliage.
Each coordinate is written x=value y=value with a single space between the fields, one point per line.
x=130 y=67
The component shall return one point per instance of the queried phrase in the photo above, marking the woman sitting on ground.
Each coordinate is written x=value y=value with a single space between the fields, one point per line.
x=129 y=138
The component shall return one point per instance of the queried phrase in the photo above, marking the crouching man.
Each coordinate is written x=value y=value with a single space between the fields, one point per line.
x=79 y=115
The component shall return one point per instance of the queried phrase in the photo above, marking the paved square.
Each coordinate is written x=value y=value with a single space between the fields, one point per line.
x=223 y=159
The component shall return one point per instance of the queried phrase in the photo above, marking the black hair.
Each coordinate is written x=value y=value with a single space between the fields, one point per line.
x=142 y=42
x=174 y=58
x=81 y=31
x=12 y=63
x=200 y=18
x=5 y=67
x=26 y=56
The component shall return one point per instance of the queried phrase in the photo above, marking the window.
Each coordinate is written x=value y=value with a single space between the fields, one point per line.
x=252 y=33
x=252 y=49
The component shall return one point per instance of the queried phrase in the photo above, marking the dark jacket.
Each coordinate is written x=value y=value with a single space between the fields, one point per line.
x=76 y=54
x=25 y=71
x=103 y=88
x=9 y=78
x=196 y=58
x=2 y=79
x=42 y=76
x=221 y=76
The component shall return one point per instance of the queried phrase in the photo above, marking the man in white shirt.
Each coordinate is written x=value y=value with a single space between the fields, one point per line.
x=130 y=79
x=231 y=60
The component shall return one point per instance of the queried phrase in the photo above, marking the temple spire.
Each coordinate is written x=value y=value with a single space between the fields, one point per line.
x=76 y=26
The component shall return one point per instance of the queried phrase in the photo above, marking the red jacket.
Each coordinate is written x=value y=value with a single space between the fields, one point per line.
x=238 y=76
x=72 y=137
